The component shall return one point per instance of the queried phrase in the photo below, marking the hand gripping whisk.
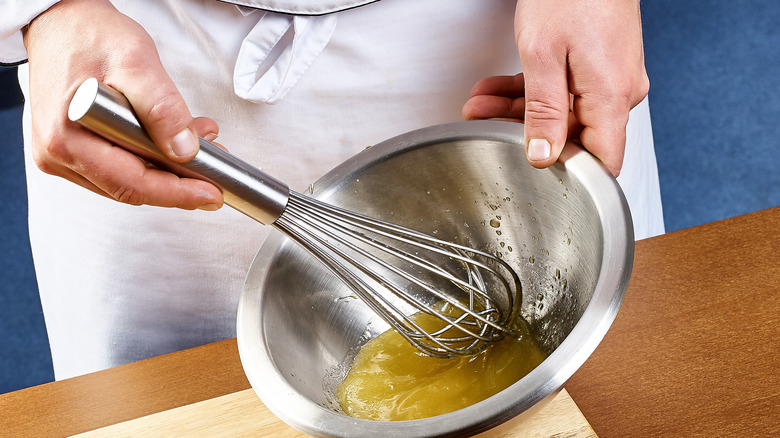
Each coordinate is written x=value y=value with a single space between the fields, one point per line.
x=396 y=271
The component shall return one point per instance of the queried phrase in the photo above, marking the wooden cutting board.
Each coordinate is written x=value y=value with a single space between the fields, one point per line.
x=242 y=414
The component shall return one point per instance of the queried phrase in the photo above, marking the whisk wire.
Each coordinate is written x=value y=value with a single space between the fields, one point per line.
x=478 y=319
x=411 y=237
x=390 y=313
x=418 y=261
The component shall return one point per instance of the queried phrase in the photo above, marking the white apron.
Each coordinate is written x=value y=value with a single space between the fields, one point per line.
x=120 y=283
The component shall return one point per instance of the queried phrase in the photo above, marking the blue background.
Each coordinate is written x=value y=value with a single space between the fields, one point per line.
x=714 y=68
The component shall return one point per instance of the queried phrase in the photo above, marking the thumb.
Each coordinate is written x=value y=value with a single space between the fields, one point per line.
x=167 y=120
x=161 y=109
x=546 y=113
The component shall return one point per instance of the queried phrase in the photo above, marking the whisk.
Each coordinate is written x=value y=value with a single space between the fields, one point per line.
x=396 y=271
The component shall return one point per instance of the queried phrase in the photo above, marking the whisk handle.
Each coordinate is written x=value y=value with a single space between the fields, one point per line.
x=108 y=113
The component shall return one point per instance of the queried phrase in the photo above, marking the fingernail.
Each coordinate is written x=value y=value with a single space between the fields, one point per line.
x=538 y=149
x=184 y=143
x=209 y=207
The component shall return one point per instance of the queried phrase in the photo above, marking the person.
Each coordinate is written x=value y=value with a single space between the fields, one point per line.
x=294 y=87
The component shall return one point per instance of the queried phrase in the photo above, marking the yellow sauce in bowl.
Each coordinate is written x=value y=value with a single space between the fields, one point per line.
x=390 y=380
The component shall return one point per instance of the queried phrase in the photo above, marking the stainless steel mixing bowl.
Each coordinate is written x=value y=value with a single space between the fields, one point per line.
x=567 y=230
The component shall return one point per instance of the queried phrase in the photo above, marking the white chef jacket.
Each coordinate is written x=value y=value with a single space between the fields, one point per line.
x=293 y=94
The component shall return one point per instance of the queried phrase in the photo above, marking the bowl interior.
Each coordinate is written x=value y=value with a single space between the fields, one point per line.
x=469 y=183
